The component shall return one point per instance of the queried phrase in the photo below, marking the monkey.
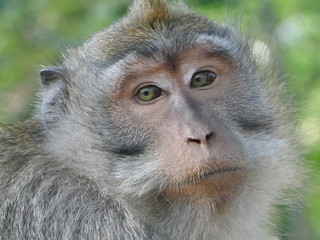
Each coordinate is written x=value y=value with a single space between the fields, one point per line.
x=162 y=126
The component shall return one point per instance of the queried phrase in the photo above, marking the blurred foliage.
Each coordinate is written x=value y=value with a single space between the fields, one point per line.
x=34 y=32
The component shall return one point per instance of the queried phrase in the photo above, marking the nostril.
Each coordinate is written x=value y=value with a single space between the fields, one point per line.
x=209 y=136
x=193 y=140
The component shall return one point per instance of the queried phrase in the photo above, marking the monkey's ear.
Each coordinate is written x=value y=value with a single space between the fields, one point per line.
x=55 y=94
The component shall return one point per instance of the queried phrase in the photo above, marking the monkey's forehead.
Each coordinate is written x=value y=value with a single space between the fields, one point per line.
x=167 y=31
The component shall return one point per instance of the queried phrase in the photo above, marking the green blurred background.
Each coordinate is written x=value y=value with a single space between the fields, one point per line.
x=35 y=32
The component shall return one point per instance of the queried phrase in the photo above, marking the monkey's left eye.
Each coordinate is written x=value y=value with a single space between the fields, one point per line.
x=201 y=79
x=149 y=93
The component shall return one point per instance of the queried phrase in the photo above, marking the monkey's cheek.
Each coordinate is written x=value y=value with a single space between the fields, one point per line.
x=218 y=190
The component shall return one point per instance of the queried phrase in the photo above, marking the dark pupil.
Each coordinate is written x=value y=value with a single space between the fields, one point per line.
x=198 y=79
x=145 y=92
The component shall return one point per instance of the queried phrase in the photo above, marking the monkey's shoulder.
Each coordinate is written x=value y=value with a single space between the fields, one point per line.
x=19 y=144
x=27 y=166
x=21 y=134
x=22 y=138
x=35 y=185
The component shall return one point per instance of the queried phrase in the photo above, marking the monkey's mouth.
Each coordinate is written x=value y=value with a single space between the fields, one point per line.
x=217 y=186
x=212 y=173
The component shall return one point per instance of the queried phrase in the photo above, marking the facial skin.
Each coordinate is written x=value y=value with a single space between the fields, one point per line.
x=205 y=163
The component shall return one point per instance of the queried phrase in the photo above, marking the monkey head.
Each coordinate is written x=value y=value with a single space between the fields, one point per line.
x=168 y=105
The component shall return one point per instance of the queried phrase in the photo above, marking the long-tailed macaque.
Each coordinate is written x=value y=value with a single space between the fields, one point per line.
x=163 y=126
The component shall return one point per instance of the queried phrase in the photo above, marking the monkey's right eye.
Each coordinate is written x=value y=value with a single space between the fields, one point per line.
x=149 y=93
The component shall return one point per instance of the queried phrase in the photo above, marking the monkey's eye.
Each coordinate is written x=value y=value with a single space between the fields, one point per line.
x=149 y=93
x=201 y=79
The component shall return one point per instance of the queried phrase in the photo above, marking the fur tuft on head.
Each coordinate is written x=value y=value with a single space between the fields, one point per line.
x=148 y=5
x=149 y=11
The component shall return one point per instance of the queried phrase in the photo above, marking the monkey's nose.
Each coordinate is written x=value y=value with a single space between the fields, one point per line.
x=200 y=140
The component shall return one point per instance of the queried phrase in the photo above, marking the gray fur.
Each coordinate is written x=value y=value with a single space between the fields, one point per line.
x=83 y=170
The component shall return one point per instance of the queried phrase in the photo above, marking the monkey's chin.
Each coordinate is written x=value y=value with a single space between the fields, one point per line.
x=217 y=189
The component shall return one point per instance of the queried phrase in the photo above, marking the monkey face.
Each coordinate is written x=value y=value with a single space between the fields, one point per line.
x=198 y=156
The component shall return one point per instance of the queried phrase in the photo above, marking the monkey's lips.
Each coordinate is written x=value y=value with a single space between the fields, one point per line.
x=218 y=187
